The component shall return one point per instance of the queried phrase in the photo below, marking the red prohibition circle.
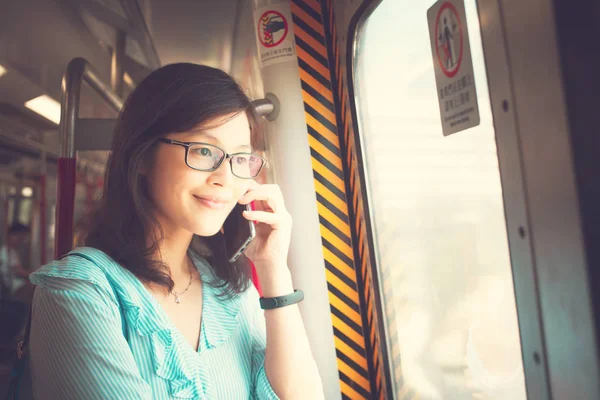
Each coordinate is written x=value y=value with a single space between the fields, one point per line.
x=452 y=9
x=260 y=32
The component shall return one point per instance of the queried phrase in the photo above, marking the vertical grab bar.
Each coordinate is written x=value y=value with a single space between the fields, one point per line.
x=78 y=71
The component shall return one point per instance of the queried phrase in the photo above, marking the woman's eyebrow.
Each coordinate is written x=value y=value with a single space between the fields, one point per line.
x=214 y=138
x=245 y=146
x=203 y=134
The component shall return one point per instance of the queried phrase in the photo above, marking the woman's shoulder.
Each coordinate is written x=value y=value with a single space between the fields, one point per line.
x=81 y=268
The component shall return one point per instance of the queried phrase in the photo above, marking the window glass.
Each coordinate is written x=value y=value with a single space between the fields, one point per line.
x=438 y=218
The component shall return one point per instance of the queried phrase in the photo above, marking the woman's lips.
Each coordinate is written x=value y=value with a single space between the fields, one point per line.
x=211 y=203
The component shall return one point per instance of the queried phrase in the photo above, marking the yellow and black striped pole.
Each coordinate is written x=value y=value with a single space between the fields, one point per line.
x=341 y=216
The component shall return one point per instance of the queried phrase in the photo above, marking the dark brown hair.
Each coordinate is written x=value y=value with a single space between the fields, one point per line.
x=173 y=99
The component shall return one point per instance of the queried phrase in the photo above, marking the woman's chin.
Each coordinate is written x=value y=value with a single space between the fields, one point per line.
x=205 y=224
x=206 y=231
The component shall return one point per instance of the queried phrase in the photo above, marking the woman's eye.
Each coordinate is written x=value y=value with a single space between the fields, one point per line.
x=241 y=160
x=204 y=151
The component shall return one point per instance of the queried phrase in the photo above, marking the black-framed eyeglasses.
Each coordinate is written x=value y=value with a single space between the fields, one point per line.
x=208 y=157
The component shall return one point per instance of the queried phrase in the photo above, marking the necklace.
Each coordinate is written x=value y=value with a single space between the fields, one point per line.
x=176 y=294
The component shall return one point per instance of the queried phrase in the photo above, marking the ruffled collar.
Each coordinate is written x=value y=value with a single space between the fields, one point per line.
x=174 y=360
x=219 y=314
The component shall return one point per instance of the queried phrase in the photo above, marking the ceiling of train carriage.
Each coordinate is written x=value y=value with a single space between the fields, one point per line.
x=34 y=55
x=158 y=32
x=199 y=31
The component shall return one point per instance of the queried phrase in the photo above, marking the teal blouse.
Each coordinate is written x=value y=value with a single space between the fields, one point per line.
x=97 y=333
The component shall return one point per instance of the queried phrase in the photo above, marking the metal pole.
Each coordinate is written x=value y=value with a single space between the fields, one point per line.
x=118 y=56
x=43 y=207
x=78 y=70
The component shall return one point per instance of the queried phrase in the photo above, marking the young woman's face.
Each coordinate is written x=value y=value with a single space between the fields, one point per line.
x=198 y=201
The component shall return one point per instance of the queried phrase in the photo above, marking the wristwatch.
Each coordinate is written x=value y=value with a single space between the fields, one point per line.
x=269 y=303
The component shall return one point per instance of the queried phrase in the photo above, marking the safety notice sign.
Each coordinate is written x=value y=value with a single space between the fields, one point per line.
x=275 y=38
x=453 y=66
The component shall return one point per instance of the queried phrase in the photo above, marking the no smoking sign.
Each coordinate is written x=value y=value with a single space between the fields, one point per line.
x=274 y=35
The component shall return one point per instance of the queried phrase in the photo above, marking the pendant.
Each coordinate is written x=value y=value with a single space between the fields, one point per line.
x=176 y=297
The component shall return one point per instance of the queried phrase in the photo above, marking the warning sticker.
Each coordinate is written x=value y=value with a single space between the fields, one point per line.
x=453 y=66
x=275 y=38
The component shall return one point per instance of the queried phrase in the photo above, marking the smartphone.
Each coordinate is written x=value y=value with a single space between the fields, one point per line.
x=238 y=232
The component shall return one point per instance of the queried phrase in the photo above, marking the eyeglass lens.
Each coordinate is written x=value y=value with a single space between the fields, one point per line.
x=206 y=157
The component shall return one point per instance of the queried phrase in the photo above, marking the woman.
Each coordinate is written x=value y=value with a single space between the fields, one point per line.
x=151 y=308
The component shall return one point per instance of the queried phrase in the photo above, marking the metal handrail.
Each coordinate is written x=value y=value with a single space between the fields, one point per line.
x=78 y=71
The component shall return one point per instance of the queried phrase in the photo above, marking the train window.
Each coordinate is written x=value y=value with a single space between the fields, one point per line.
x=438 y=218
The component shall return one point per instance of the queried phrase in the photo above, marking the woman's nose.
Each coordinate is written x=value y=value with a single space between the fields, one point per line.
x=223 y=175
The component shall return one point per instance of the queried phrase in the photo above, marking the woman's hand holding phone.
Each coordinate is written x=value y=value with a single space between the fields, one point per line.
x=270 y=247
